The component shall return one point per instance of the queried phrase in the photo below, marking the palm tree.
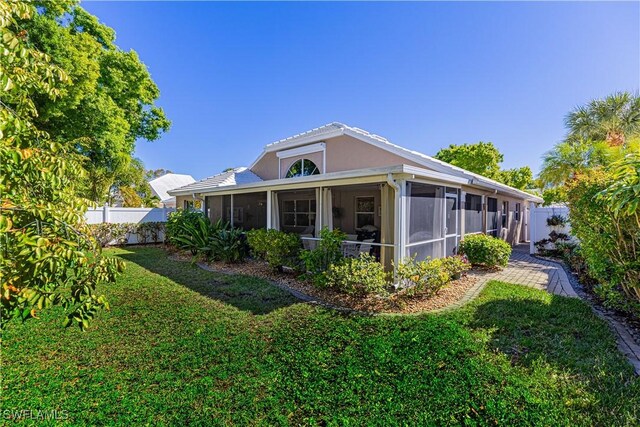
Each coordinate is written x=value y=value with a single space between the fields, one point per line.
x=571 y=157
x=613 y=119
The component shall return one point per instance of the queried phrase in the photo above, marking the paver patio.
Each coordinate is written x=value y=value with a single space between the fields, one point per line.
x=523 y=269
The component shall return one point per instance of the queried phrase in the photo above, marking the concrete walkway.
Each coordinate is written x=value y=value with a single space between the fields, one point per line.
x=523 y=269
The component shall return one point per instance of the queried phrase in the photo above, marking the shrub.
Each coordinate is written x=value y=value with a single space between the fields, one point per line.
x=422 y=277
x=191 y=230
x=118 y=234
x=229 y=245
x=357 y=276
x=108 y=233
x=327 y=252
x=278 y=248
x=455 y=265
x=609 y=237
x=149 y=232
x=258 y=240
x=485 y=250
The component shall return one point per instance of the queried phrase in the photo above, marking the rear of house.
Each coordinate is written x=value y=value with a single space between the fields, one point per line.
x=391 y=201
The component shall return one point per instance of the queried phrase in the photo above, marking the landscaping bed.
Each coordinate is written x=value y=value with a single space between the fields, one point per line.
x=394 y=303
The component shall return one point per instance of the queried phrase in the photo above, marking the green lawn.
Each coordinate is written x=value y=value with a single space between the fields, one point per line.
x=186 y=346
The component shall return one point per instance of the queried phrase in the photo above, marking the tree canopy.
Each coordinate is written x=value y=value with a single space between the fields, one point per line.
x=110 y=103
x=599 y=133
x=484 y=159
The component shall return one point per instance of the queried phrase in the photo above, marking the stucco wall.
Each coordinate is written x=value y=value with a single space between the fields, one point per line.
x=342 y=153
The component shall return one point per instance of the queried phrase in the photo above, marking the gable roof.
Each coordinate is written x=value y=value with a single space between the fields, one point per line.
x=236 y=176
x=163 y=184
x=335 y=129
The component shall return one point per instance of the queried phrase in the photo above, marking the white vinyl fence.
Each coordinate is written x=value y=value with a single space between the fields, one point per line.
x=118 y=215
x=538 y=228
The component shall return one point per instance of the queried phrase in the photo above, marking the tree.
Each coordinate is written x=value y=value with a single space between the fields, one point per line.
x=484 y=159
x=613 y=119
x=156 y=173
x=571 y=157
x=47 y=254
x=110 y=103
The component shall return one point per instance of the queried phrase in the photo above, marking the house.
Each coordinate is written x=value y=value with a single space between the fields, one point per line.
x=161 y=185
x=401 y=202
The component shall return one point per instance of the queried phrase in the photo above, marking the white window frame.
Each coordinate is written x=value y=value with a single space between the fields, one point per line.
x=295 y=213
x=373 y=212
x=517 y=211
x=301 y=151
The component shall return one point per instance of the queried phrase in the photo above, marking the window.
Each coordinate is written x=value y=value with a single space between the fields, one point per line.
x=505 y=214
x=365 y=211
x=473 y=214
x=298 y=213
x=188 y=205
x=492 y=216
x=516 y=214
x=302 y=167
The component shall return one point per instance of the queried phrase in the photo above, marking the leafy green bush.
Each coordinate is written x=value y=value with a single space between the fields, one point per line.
x=605 y=221
x=278 y=248
x=228 y=245
x=118 y=234
x=258 y=240
x=357 y=276
x=485 y=250
x=422 y=277
x=149 y=232
x=455 y=265
x=327 y=252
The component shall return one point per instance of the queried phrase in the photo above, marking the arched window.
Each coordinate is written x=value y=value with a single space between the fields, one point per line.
x=303 y=167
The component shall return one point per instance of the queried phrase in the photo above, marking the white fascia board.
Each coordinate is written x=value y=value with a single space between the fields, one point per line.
x=306 y=149
x=303 y=140
x=444 y=167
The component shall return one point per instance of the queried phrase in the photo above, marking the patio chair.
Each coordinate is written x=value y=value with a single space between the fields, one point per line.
x=307 y=244
x=365 y=246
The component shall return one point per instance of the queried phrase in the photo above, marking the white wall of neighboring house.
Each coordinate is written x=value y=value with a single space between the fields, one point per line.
x=538 y=228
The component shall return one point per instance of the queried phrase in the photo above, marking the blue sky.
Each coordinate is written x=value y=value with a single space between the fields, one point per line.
x=236 y=76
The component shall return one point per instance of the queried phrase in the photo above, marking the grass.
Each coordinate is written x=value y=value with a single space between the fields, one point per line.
x=186 y=346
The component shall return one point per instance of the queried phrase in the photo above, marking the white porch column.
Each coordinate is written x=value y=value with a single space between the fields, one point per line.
x=269 y=213
x=318 y=222
x=462 y=210
x=231 y=213
x=400 y=220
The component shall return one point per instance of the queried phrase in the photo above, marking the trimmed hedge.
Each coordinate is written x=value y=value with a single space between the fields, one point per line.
x=485 y=250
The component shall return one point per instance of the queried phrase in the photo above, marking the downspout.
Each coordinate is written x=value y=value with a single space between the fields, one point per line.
x=396 y=217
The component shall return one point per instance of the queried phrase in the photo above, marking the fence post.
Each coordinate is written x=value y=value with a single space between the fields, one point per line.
x=105 y=213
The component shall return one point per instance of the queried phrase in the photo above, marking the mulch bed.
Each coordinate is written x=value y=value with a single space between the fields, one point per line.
x=394 y=303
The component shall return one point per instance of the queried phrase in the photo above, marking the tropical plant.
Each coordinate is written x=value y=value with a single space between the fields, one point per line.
x=190 y=230
x=328 y=251
x=613 y=119
x=47 y=255
x=259 y=242
x=357 y=276
x=556 y=220
x=485 y=250
x=572 y=157
x=229 y=245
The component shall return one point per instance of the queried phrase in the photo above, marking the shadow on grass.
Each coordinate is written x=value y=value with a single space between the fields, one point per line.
x=563 y=332
x=245 y=293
